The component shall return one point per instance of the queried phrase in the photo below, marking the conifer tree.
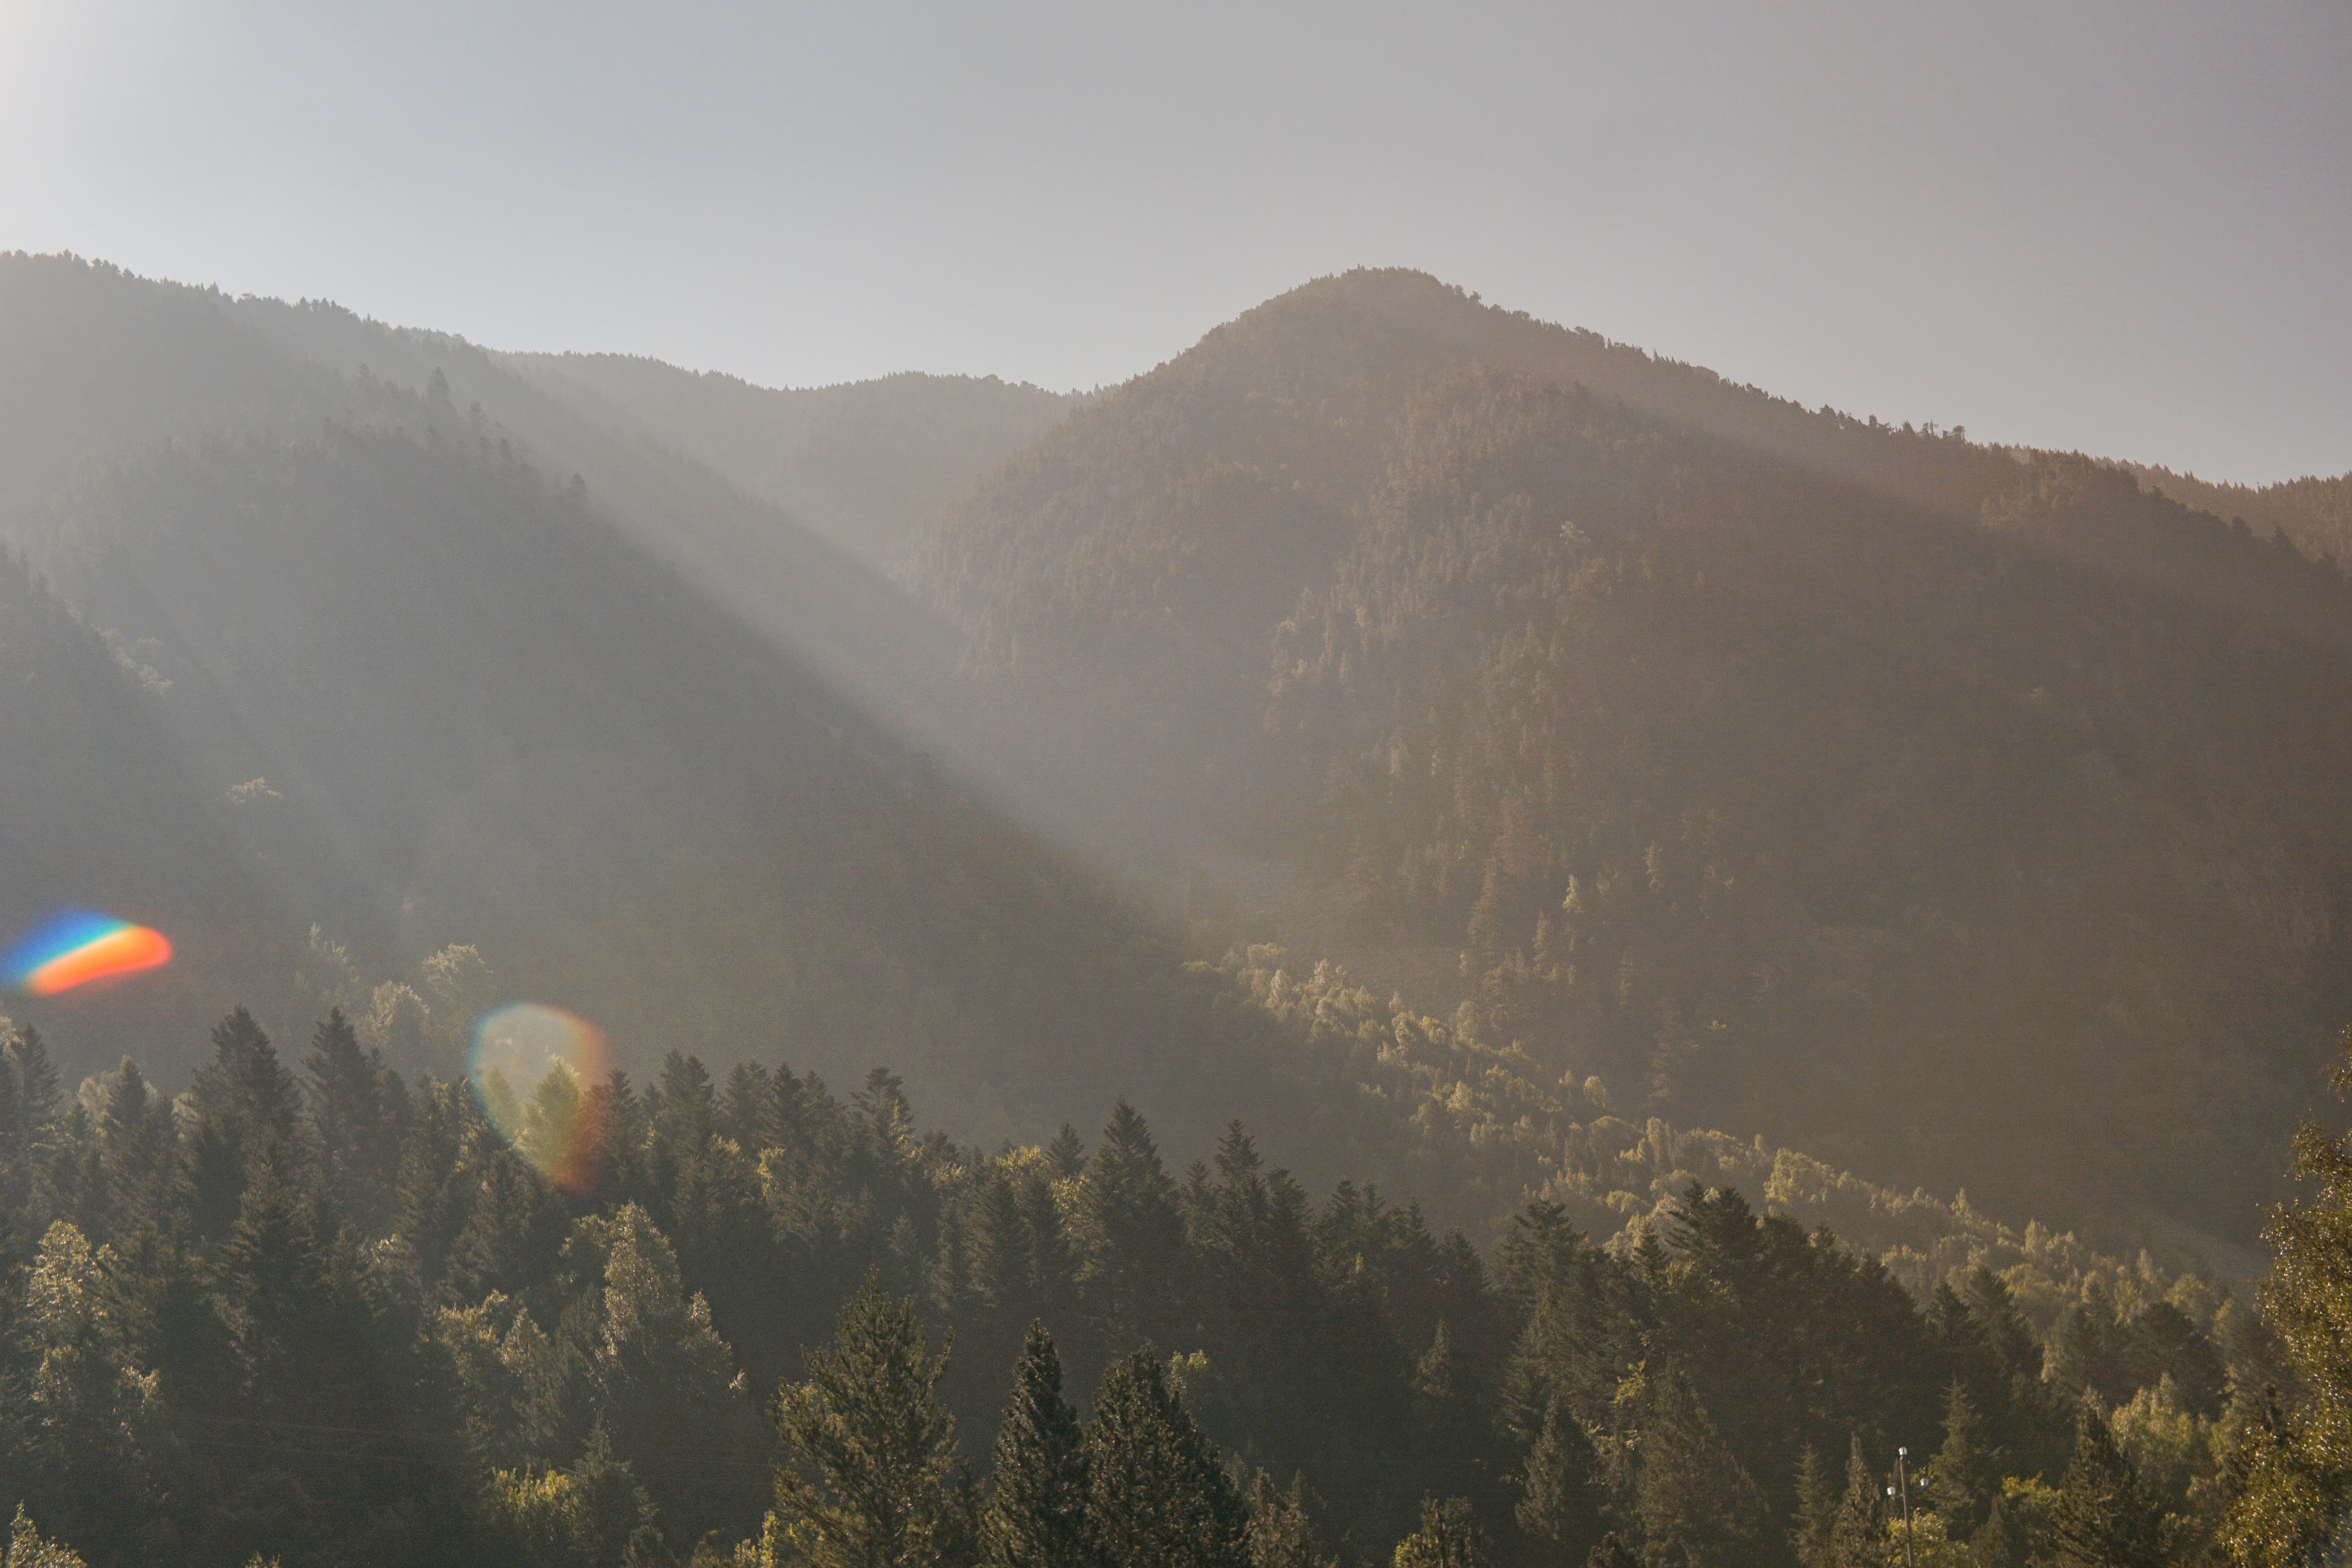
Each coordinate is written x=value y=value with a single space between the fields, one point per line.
x=873 y=1480
x=137 y=1152
x=1964 y=1472
x=1860 y=1524
x=38 y=1095
x=1812 y=1534
x=1449 y=1537
x=357 y=1108
x=1559 y=1502
x=1037 y=1512
x=1157 y=1491
x=747 y=1108
x=665 y=1383
x=1281 y=1532
x=2103 y=1520
x=90 y=1429
x=27 y=1550
x=1696 y=1503
x=1133 y=1233
x=309 y=1363
x=1067 y=1153
x=1611 y=1552
x=1995 y=1543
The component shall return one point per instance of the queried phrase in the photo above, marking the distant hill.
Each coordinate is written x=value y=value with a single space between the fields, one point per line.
x=466 y=664
x=98 y=810
x=864 y=464
x=2314 y=513
x=1962 y=814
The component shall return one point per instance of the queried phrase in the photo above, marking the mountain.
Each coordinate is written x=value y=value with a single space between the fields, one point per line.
x=863 y=464
x=98 y=810
x=1966 y=816
x=452 y=687
x=2312 y=513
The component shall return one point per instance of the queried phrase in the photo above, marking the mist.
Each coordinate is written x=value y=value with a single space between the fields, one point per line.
x=1278 y=790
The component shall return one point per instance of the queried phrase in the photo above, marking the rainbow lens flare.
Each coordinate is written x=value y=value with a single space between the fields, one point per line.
x=534 y=1069
x=76 y=947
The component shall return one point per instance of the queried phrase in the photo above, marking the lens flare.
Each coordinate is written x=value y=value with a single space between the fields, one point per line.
x=75 y=947
x=535 y=1069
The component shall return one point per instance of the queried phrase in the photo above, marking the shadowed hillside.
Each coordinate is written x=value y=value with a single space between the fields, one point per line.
x=1970 y=815
x=864 y=464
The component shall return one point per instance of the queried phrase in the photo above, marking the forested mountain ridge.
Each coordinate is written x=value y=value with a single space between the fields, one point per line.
x=865 y=464
x=97 y=808
x=1964 y=816
x=2315 y=512
x=309 y=1311
x=496 y=748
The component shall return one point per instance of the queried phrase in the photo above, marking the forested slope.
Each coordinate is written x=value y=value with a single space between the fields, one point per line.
x=1961 y=815
x=314 y=1312
x=99 y=810
x=865 y=464
x=2314 y=513
x=458 y=712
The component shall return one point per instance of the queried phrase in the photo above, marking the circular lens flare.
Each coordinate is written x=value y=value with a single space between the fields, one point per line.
x=541 y=1075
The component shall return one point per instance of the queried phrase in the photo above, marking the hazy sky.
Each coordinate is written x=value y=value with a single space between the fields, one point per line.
x=2122 y=227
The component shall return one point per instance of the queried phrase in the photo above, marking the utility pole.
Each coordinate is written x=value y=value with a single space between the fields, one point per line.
x=1902 y=1489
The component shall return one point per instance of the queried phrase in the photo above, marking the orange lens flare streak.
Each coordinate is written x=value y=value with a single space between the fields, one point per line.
x=76 y=947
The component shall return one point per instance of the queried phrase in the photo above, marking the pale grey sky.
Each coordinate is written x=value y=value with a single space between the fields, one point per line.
x=2120 y=228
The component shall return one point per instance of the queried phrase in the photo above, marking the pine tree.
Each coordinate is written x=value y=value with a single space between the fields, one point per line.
x=1860 y=1524
x=247 y=1090
x=1130 y=1229
x=1157 y=1491
x=310 y=1361
x=1696 y=1502
x=875 y=1481
x=1995 y=1544
x=93 y=1440
x=1067 y=1153
x=1812 y=1535
x=1037 y=1514
x=1965 y=1474
x=2103 y=1519
x=1449 y=1537
x=665 y=1383
x=27 y=1550
x=137 y=1152
x=1560 y=1502
x=747 y=1108
x=1281 y=1532
x=1611 y=1552
x=357 y=1108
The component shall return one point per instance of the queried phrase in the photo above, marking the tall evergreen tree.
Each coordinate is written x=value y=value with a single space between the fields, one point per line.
x=1157 y=1490
x=2104 y=1519
x=1449 y=1537
x=1812 y=1534
x=1860 y=1525
x=1559 y=1499
x=873 y=1479
x=1281 y=1532
x=357 y=1108
x=1611 y=1552
x=1696 y=1502
x=1038 y=1511
x=1966 y=1474
x=665 y=1384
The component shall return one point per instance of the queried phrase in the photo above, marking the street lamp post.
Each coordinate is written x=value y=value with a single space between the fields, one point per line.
x=1903 y=1486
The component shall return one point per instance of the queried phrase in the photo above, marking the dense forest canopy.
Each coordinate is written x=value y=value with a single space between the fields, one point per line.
x=311 y=1311
x=865 y=464
x=1807 y=814
x=1972 y=815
